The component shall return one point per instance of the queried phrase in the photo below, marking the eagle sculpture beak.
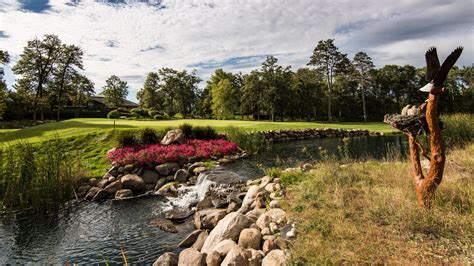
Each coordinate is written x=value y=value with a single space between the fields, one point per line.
x=427 y=87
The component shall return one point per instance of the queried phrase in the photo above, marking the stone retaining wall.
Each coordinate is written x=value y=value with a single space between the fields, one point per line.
x=299 y=134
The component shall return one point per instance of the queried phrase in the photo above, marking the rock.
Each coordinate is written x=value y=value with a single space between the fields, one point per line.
x=113 y=187
x=191 y=256
x=173 y=136
x=274 y=204
x=277 y=215
x=224 y=161
x=91 y=193
x=220 y=177
x=264 y=181
x=101 y=195
x=213 y=259
x=194 y=166
x=208 y=219
x=190 y=239
x=128 y=168
x=268 y=246
x=83 y=189
x=275 y=257
x=271 y=187
x=167 y=169
x=123 y=193
x=167 y=259
x=150 y=176
x=199 y=170
x=249 y=198
x=250 y=238
x=264 y=221
x=181 y=176
x=164 y=224
x=288 y=231
x=227 y=228
x=237 y=256
x=206 y=203
x=269 y=237
x=256 y=257
x=266 y=231
x=224 y=247
x=93 y=182
x=255 y=214
x=112 y=179
x=133 y=182
x=200 y=240
x=282 y=243
x=161 y=182
x=178 y=214
x=254 y=226
x=233 y=206
x=103 y=183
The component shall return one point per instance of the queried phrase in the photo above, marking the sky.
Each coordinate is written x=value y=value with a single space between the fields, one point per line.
x=130 y=38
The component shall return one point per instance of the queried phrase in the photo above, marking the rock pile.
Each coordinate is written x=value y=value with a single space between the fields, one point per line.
x=246 y=230
x=296 y=134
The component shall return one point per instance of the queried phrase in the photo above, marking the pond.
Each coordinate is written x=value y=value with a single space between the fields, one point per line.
x=92 y=233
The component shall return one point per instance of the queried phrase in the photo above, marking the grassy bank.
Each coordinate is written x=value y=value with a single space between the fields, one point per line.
x=367 y=213
x=75 y=127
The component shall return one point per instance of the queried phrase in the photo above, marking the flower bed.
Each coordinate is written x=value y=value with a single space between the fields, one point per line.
x=158 y=154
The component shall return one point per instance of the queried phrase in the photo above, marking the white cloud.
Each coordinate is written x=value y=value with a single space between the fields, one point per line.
x=132 y=39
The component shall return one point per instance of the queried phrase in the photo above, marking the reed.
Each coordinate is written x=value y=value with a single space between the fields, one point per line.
x=249 y=141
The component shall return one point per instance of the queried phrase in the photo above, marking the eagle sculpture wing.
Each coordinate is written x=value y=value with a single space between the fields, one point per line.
x=432 y=64
x=443 y=71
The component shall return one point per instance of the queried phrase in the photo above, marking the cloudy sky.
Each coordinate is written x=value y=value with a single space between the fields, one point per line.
x=129 y=38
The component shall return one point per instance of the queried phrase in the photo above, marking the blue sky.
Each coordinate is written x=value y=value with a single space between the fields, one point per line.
x=130 y=38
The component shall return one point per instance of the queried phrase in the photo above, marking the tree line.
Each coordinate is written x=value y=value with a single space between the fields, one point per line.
x=331 y=87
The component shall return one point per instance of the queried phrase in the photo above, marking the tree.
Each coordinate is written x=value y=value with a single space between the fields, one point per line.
x=4 y=59
x=69 y=63
x=115 y=92
x=363 y=66
x=327 y=59
x=252 y=93
x=224 y=88
x=148 y=96
x=179 y=90
x=36 y=65
x=306 y=88
x=81 y=91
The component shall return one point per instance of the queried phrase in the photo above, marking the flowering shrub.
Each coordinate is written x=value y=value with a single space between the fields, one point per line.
x=158 y=154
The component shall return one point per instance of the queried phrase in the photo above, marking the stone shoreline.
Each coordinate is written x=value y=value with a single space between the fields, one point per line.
x=300 y=134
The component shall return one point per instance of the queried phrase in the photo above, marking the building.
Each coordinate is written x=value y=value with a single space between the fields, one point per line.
x=97 y=102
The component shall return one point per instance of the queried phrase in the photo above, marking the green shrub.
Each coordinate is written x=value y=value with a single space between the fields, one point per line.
x=153 y=112
x=198 y=132
x=158 y=117
x=458 y=129
x=114 y=114
x=251 y=142
x=127 y=138
x=166 y=116
x=187 y=130
x=148 y=136
x=178 y=116
x=139 y=112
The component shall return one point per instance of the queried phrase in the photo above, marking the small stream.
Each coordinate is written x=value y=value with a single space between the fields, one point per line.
x=91 y=233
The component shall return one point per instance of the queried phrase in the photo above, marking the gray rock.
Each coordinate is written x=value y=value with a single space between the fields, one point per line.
x=232 y=207
x=190 y=239
x=83 y=189
x=266 y=231
x=236 y=256
x=113 y=187
x=213 y=259
x=191 y=256
x=150 y=176
x=167 y=169
x=161 y=182
x=224 y=247
x=256 y=257
x=206 y=203
x=91 y=193
x=194 y=166
x=263 y=221
x=227 y=228
x=200 y=240
x=249 y=199
x=112 y=179
x=133 y=182
x=220 y=177
x=164 y=224
x=199 y=170
x=101 y=195
x=167 y=259
x=173 y=136
x=103 y=183
x=208 y=219
x=93 y=182
x=128 y=168
x=250 y=238
x=181 y=176
x=123 y=193
x=255 y=214
x=275 y=204
x=275 y=257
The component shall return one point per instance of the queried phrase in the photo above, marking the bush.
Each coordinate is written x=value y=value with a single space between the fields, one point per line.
x=139 y=112
x=127 y=138
x=251 y=142
x=198 y=132
x=166 y=116
x=178 y=116
x=153 y=112
x=148 y=136
x=458 y=129
x=114 y=114
x=158 y=117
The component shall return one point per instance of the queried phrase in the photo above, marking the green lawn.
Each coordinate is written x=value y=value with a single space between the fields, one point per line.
x=75 y=127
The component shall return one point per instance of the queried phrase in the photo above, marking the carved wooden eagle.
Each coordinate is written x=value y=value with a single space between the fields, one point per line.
x=436 y=75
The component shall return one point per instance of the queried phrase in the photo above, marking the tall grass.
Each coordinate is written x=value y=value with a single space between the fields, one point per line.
x=249 y=141
x=39 y=176
x=458 y=129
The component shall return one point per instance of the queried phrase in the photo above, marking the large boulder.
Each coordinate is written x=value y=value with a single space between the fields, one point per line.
x=237 y=256
x=249 y=198
x=173 y=136
x=276 y=257
x=224 y=247
x=268 y=246
x=101 y=195
x=91 y=193
x=190 y=239
x=181 y=176
x=250 y=238
x=167 y=259
x=150 y=176
x=113 y=187
x=200 y=240
x=208 y=219
x=191 y=256
x=133 y=182
x=220 y=177
x=256 y=257
x=227 y=228
x=167 y=169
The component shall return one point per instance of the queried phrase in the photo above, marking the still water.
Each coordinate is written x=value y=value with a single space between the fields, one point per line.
x=92 y=233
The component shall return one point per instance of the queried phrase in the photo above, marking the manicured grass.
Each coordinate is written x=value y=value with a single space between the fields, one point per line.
x=75 y=127
x=367 y=213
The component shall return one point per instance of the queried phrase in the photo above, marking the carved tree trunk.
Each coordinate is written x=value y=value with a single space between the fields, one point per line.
x=426 y=186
